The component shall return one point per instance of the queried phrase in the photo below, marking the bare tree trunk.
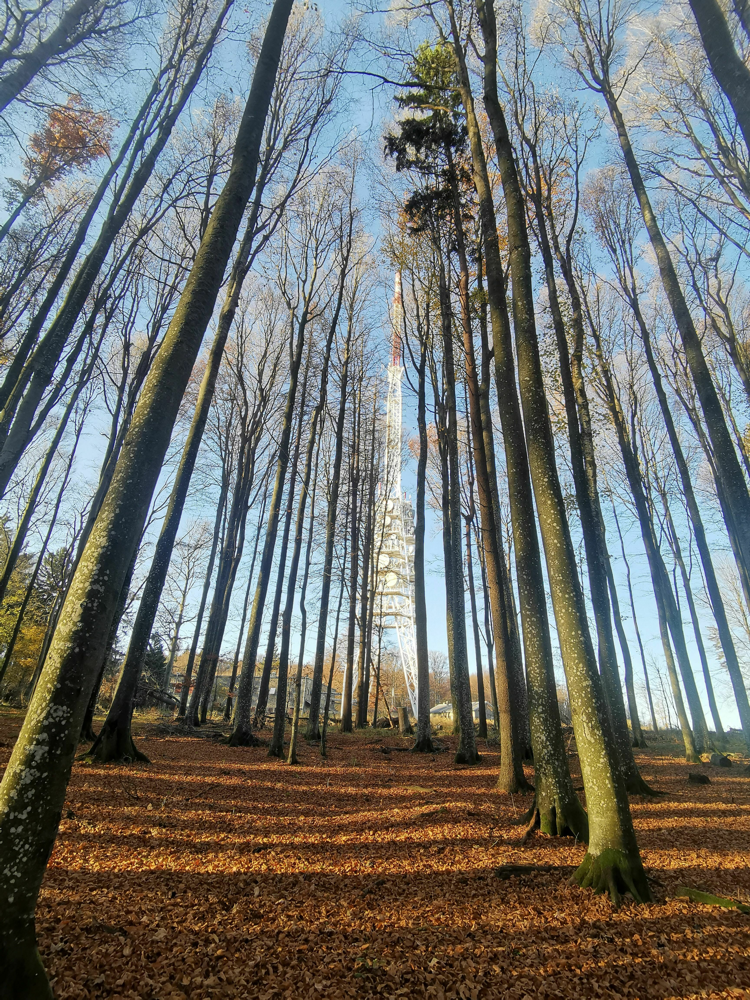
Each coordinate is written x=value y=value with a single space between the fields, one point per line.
x=669 y=620
x=22 y=528
x=292 y=757
x=712 y=584
x=733 y=494
x=261 y=703
x=488 y=635
x=346 y=698
x=477 y=639
x=557 y=804
x=53 y=45
x=638 y=737
x=115 y=741
x=613 y=595
x=511 y=778
x=53 y=722
x=38 y=373
x=242 y=734
x=726 y=63
x=583 y=461
x=327 y=706
x=311 y=456
x=246 y=602
x=423 y=743
x=187 y=680
x=613 y=859
x=366 y=598
x=37 y=566
x=317 y=681
x=674 y=543
x=467 y=747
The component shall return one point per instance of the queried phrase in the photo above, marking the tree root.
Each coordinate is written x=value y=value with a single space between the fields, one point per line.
x=114 y=745
x=613 y=872
x=462 y=757
x=532 y=813
x=423 y=744
x=637 y=786
x=87 y=733
x=513 y=784
x=243 y=737
x=556 y=822
x=532 y=824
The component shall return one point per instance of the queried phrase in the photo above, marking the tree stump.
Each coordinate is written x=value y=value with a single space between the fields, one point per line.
x=719 y=760
x=404 y=726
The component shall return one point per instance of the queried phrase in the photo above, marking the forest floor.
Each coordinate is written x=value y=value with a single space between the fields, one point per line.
x=219 y=872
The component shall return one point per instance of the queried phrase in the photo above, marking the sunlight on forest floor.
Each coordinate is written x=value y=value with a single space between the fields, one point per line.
x=218 y=872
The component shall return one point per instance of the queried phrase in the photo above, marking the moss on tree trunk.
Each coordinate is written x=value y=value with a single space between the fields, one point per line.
x=35 y=782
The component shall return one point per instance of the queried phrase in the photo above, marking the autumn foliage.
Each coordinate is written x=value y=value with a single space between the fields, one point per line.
x=72 y=137
x=218 y=872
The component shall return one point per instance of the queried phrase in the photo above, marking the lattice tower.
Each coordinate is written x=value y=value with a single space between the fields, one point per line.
x=395 y=570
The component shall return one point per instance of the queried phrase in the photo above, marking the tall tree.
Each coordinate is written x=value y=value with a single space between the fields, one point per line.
x=36 y=779
x=727 y=64
x=596 y=51
x=613 y=861
x=556 y=804
x=34 y=47
x=188 y=50
x=613 y=211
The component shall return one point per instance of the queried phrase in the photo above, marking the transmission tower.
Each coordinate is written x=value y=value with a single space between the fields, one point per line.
x=394 y=578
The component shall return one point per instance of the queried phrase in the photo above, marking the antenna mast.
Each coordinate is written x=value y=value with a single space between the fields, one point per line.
x=396 y=518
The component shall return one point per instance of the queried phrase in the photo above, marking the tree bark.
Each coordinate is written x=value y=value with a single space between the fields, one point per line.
x=558 y=806
x=613 y=860
x=327 y=705
x=187 y=679
x=467 y=747
x=242 y=733
x=36 y=779
x=292 y=757
x=511 y=777
x=482 y=729
x=354 y=505
x=712 y=584
x=734 y=497
x=613 y=596
x=320 y=646
x=674 y=543
x=27 y=393
x=366 y=597
x=669 y=620
x=727 y=65
x=583 y=461
x=311 y=456
x=246 y=602
x=423 y=742
x=54 y=44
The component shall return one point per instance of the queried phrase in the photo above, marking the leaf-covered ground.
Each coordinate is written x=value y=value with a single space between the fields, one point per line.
x=219 y=872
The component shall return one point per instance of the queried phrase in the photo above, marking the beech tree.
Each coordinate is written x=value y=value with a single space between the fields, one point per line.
x=186 y=52
x=40 y=40
x=595 y=51
x=612 y=861
x=45 y=750
x=614 y=215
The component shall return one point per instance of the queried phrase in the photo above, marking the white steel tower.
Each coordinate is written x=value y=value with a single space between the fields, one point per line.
x=393 y=591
